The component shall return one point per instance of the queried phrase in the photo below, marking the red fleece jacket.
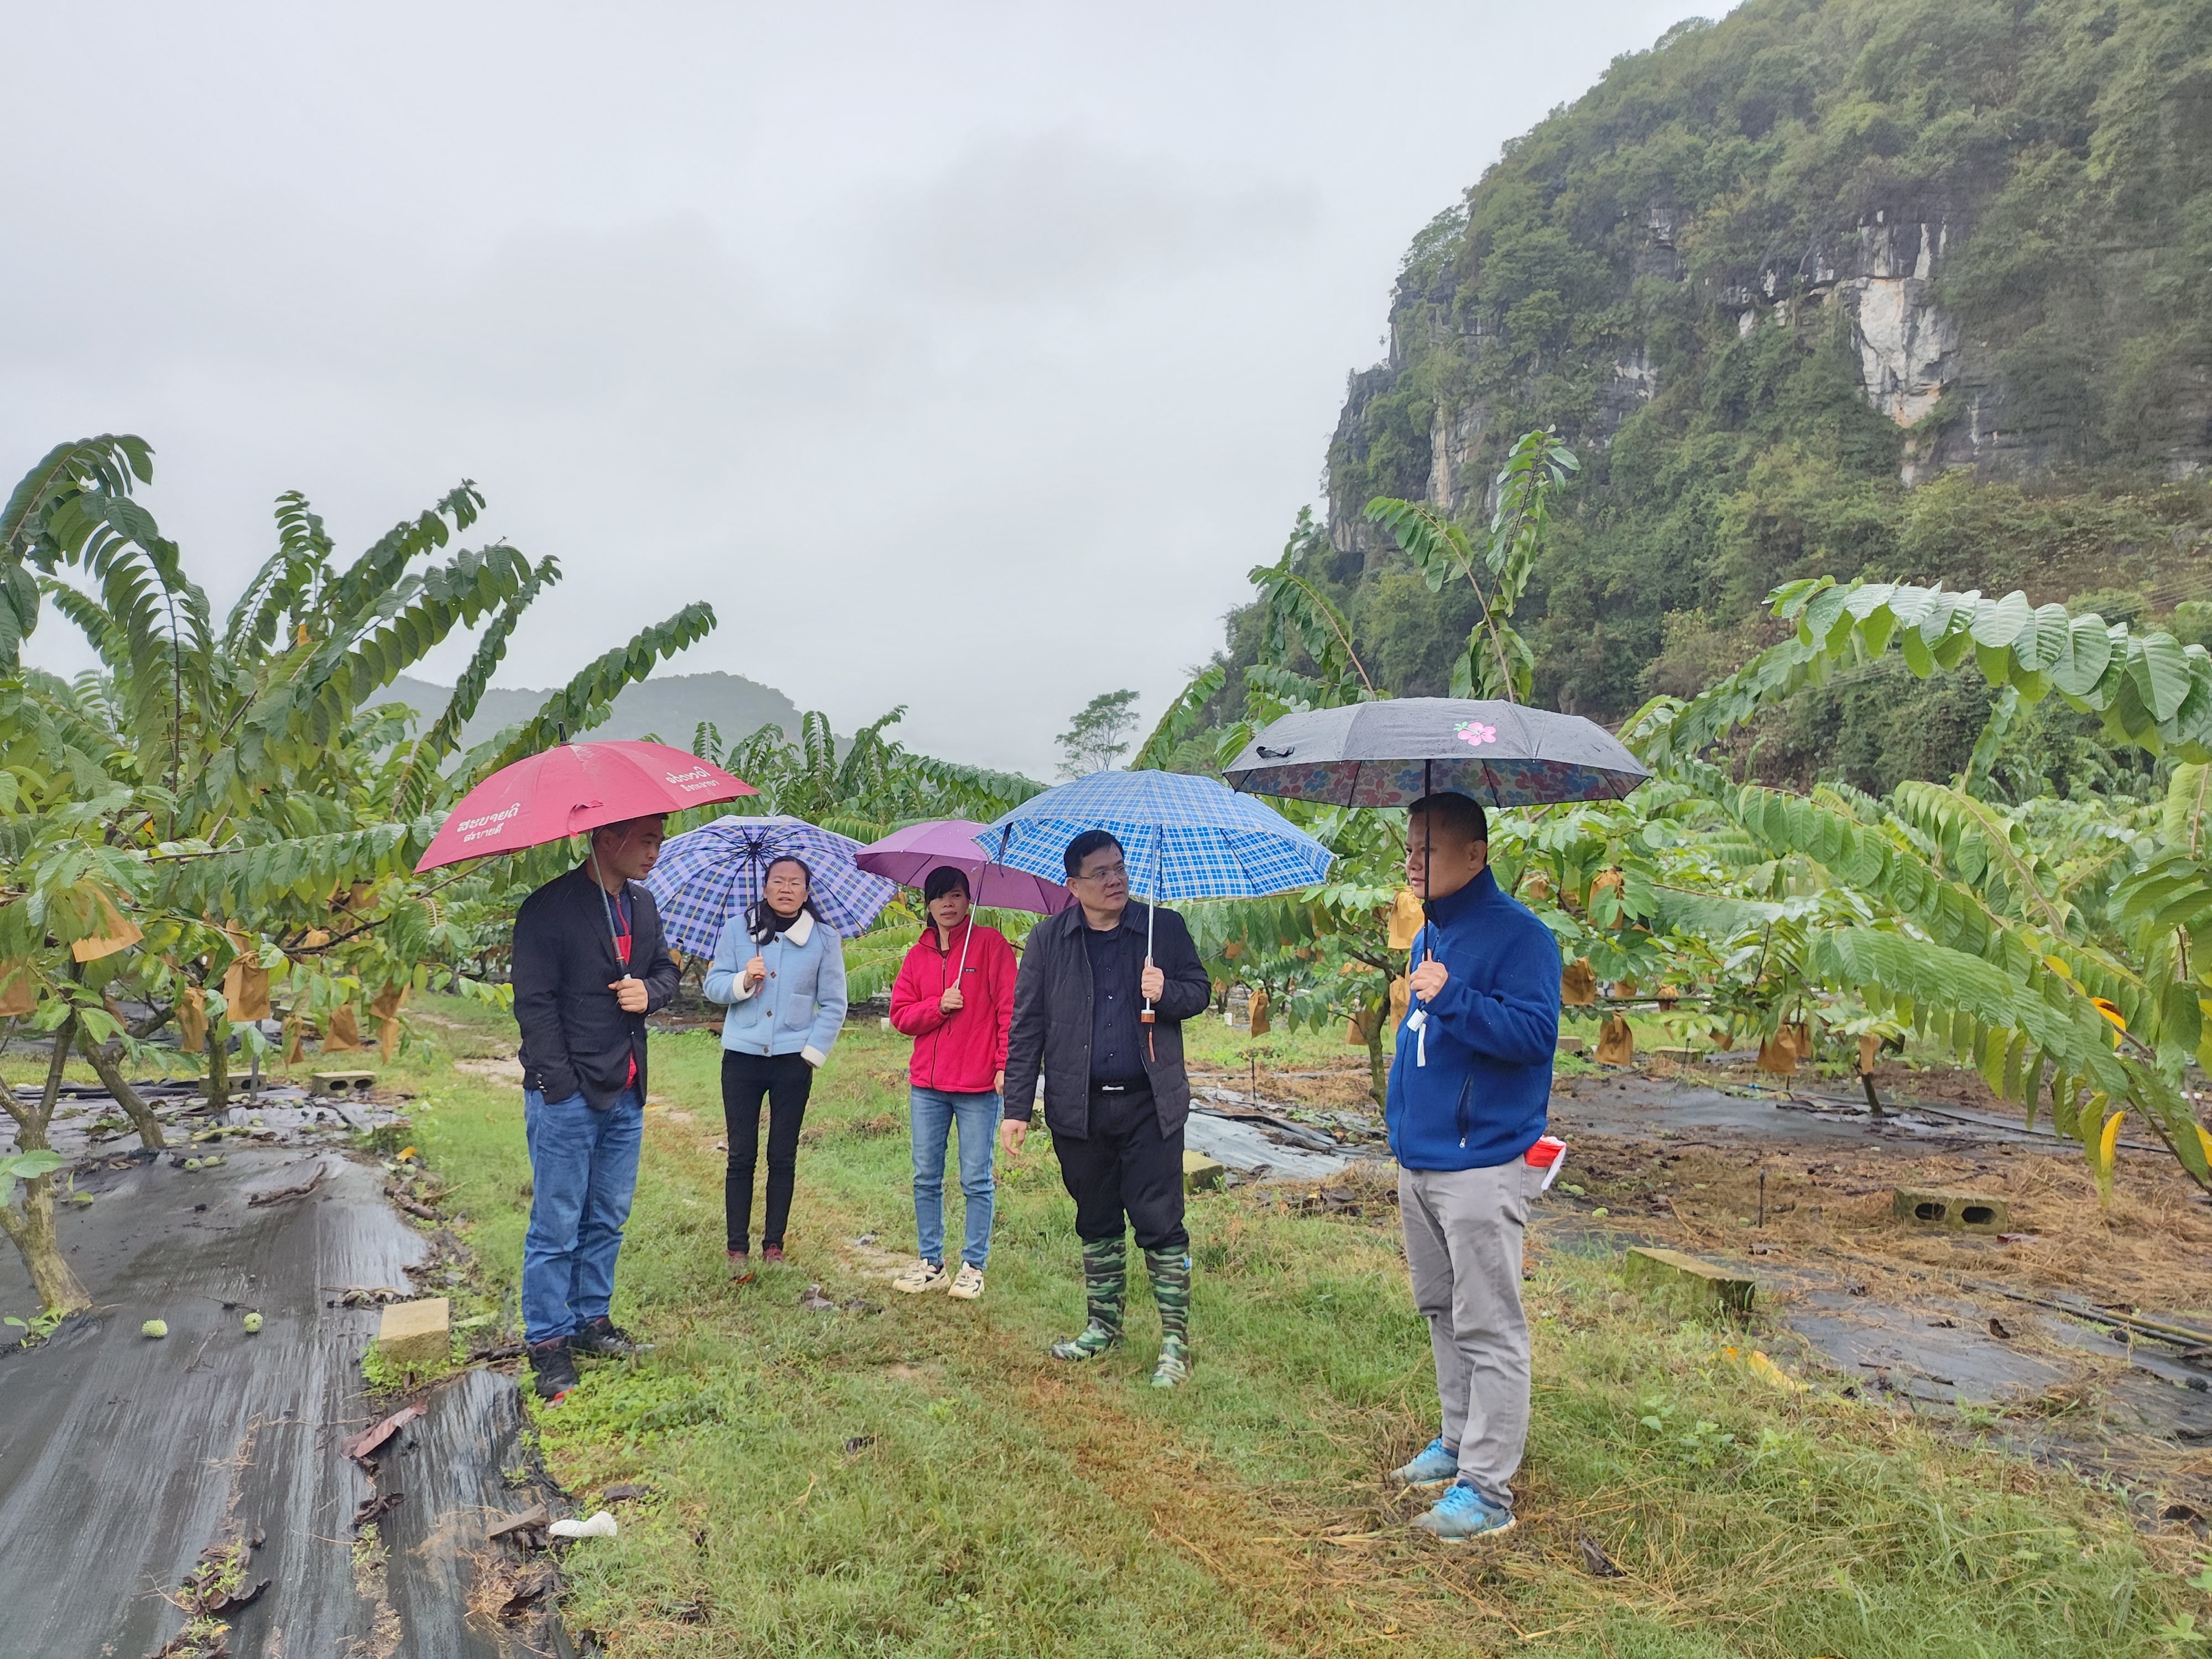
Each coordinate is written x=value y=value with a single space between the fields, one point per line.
x=961 y=1053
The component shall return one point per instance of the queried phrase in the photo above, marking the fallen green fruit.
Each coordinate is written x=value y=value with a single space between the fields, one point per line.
x=192 y=1164
x=80 y=1198
x=154 y=1328
x=252 y=1323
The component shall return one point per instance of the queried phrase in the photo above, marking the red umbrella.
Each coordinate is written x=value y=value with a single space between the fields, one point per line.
x=571 y=787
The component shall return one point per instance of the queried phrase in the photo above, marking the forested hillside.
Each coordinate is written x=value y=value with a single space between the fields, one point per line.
x=1905 y=287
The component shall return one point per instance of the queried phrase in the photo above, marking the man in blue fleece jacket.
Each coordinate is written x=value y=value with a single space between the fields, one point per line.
x=1469 y=1083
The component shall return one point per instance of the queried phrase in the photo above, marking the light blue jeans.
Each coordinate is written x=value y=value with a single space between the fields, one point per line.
x=583 y=1171
x=933 y=1112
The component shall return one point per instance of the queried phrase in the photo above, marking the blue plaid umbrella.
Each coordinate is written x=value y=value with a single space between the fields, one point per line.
x=1184 y=836
x=707 y=875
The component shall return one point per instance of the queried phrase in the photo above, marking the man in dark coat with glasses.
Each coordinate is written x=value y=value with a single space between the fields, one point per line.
x=1103 y=1021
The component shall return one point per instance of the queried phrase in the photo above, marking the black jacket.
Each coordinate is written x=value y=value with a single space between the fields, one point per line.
x=576 y=1037
x=1052 y=1020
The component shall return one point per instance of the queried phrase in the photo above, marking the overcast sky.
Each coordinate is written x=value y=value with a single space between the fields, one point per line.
x=962 y=355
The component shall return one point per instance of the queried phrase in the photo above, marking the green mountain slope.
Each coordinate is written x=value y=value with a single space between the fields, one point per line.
x=1906 y=286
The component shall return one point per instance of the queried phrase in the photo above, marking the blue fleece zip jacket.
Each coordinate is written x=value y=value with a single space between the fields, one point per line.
x=1489 y=1037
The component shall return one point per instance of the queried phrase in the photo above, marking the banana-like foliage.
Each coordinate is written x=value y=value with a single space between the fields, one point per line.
x=1497 y=661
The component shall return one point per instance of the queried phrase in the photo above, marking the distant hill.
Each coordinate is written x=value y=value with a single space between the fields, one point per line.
x=670 y=707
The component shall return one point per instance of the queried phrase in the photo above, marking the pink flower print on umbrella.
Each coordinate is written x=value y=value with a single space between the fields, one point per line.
x=1474 y=733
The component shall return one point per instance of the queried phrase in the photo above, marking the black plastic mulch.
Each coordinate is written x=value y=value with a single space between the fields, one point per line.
x=123 y=1458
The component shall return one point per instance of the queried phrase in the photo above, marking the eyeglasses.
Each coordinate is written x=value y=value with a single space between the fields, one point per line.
x=1104 y=872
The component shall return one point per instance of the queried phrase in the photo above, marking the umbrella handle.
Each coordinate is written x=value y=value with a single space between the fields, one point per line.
x=614 y=934
x=971 y=933
x=1160 y=854
x=1428 y=852
x=1147 y=1016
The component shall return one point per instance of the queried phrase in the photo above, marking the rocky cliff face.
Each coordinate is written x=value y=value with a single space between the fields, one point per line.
x=1881 y=278
x=1868 y=243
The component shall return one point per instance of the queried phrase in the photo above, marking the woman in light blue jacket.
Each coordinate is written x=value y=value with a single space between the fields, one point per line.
x=780 y=968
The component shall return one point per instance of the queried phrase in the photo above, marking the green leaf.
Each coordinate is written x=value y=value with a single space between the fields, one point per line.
x=1998 y=622
x=2046 y=640
x=1180 y=719
x=2160 y=671
x=2181 y=821
x=2078 y=673
x=25 y=1166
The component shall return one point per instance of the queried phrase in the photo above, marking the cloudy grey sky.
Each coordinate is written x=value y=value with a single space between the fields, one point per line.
x=962 y=355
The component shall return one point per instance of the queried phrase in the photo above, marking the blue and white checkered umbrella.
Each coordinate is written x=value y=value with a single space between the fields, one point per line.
x=1184 y=836
x=707 y=875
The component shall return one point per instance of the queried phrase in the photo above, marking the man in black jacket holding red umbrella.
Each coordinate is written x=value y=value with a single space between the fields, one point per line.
x=590 y=964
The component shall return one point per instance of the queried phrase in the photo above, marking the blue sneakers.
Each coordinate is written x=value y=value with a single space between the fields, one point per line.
x=1434 y=1464
x=1462 y=1514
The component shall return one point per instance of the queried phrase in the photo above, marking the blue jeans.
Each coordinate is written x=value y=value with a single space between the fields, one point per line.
x=934 y=1111
x=583 y=1171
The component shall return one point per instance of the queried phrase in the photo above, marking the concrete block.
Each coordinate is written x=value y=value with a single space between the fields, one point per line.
x=1571 y=1045
x=1201 y=1173
x=342 y=1083
x=1955 y=1211
x=416 y=1333
x=1649 y=1267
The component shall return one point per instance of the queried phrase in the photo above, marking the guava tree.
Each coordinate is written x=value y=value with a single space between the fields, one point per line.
x=2063 y=956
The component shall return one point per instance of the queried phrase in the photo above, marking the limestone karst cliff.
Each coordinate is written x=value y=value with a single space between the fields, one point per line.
x=1911 y=286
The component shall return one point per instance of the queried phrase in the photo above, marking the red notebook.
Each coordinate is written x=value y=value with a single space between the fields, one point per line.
x=1548 y=1154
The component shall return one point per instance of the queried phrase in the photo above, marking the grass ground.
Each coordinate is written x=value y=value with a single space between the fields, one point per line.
x=905 y=1476
x=914 y=1476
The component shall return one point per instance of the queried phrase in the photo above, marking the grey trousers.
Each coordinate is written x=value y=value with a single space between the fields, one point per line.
x=1463 y=1231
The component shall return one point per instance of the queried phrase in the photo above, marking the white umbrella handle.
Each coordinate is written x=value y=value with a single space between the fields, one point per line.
x=1151 y=904
x=966 y=936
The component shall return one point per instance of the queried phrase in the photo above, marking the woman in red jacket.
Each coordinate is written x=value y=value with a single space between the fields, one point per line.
x=955 y=998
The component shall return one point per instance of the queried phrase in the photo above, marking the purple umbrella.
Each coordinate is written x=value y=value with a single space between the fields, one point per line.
x=908 y=856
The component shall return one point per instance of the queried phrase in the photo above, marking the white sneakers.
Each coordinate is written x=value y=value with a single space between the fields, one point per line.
x=922 y=1276
x=967 y=1284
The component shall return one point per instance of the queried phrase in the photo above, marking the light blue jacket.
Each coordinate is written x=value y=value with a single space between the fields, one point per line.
x=800 y=1008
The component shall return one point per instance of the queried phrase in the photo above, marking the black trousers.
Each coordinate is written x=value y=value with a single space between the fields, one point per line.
x=785 y=1080
x=1126 y=1173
